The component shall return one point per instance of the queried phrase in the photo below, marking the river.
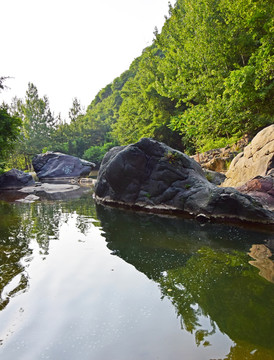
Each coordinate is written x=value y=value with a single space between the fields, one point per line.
x=87 y=282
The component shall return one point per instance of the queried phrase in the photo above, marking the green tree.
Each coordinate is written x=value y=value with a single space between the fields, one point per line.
x=218 y=59
x=145 y=112
x=9 y=130
x=38 y=125
x=76 y=110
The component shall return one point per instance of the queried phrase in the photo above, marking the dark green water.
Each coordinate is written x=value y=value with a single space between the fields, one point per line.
x=84 y=282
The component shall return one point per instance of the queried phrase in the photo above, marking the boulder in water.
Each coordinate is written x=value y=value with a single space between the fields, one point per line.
x=15 y=179
x=57 y=165
x=150 y=175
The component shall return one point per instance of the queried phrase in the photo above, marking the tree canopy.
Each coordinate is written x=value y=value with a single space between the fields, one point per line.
x=9 y=130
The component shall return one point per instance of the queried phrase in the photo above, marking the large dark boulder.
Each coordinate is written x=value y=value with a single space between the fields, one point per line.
x=15 y=179
x=151 y=175
x=58 y=165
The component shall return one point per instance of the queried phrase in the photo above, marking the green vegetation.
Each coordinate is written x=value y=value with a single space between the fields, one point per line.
x=9 y=130
x=206 y=80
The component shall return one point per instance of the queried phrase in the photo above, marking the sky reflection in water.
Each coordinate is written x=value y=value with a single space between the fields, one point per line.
x=84 y=282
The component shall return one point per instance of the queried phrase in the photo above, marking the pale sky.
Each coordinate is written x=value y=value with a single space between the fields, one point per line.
x=72 y=48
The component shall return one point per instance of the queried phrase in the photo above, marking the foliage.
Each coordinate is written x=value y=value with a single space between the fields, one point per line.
x=96 y=153
x=224 y=69
x=144 y=112
x=208 y=76
x=195 y=290
x=9 y=131
x=38 y=125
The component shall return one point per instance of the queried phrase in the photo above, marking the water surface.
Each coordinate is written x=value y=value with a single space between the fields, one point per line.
x=80 y=281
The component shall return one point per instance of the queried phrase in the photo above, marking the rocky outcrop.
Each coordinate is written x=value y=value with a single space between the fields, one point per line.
x=257 y=159
x=15 y=179
x=216 y=160
x=219 y=159
x=151 y=176
x=57 y=165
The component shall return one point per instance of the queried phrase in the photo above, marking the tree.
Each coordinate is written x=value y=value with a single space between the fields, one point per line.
x=38 y=124
x=9 y=130
x=76 y=110
x=38 y=121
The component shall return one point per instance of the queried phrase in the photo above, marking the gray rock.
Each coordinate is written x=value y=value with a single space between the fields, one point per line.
x=151 y=175
x=55 y=191
x=214 y=177
x=56 y=165
x=15 y=179
x=28 y=199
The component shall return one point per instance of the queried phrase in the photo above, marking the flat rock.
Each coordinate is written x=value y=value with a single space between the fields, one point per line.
x=15 y=179
x=55 y=191
x=28 y=199
x=58 y=165
x=152 y=176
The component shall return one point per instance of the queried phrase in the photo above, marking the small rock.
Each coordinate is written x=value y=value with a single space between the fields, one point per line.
x=28 y=199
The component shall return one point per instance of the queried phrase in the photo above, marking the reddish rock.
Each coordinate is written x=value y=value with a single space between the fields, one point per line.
x=261 y=187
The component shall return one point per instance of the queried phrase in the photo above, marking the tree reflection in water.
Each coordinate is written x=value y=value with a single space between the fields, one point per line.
x=203 y=271
x=22 y=224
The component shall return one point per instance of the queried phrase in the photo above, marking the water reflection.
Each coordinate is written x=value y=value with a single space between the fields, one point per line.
x=204 y=271
x=261 y=254
x=23 y=224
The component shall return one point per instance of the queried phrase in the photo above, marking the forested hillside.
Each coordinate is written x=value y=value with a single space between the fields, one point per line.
x=206 y=80
x=208 y=76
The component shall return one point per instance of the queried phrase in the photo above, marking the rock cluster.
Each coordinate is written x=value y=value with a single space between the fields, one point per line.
x=151 y=175
x=219 y=159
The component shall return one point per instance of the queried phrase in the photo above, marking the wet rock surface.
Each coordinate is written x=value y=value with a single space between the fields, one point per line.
x=150 y=175
x=15 y=179
x=56 y=165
